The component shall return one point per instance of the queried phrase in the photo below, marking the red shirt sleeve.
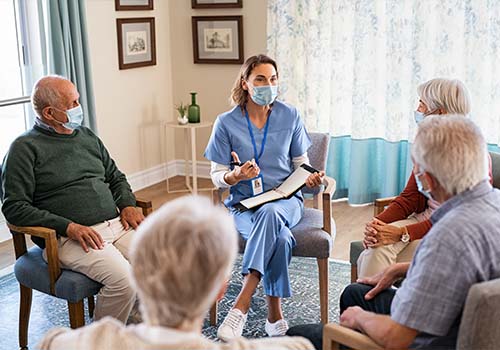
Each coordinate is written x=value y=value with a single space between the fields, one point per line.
x=418 y=230
x=408 y=202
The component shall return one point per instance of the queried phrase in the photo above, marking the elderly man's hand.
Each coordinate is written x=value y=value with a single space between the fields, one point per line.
x=384 y=279
x=85 y=235
x=315 y=179
x=130 y=216
x=349 y=317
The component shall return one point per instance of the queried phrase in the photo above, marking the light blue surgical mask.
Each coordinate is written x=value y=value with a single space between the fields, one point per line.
x=419 y=116
x=75 y=117
x=264 y=95
x=421 y=187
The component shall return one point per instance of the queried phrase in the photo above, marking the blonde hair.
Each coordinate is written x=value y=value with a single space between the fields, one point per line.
x=453 y=150
x=448 y=94
x=239 y=96
x=181 y=255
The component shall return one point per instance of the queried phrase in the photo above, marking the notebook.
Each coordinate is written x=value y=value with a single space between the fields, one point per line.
x=287 y=189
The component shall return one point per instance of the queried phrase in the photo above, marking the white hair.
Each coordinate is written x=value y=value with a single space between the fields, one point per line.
x=45 y=93
x=448 y=94
x=453 y=150
x=181 y=255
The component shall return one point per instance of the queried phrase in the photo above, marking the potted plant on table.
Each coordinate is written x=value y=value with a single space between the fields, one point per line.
x=182 y=109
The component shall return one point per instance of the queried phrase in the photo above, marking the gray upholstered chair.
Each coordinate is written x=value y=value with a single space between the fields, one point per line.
x=315 y=233
x=32 y=272
x=478 y=327
x=379 y=205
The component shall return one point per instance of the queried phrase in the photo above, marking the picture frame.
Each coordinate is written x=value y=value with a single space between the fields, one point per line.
x=217 y=39
x=136 y=42
x=133 y=5
x=216 y=4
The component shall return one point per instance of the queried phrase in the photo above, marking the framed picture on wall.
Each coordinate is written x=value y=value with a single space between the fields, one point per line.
x=217 y=39
x=216 y=4
x=133 y=5
x=136 y=42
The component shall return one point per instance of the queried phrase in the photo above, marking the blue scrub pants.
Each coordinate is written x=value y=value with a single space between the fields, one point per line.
x=269 y=242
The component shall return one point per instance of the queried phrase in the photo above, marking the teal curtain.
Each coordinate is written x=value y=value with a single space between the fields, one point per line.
x=68 y=50
x=368 y=169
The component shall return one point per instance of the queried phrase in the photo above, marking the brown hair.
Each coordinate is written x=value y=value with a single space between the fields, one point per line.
x=238 y=95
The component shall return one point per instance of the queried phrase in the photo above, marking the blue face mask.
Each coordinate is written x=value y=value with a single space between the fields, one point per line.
x=264 y=95
x=75 y=118
x=419 y=116
x=421 y=187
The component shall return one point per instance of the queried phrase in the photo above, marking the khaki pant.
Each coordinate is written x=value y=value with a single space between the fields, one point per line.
x=108 y=266
x=374 y=260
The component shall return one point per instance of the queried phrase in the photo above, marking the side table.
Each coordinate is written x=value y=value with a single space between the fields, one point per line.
x=189 y=137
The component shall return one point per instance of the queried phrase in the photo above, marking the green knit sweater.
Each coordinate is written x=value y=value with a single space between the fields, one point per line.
x=52 y=179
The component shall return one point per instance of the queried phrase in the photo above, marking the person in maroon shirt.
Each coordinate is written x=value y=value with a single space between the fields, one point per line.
x=394 y=234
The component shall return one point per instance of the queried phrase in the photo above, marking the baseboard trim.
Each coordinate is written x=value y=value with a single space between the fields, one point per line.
x=161 y=172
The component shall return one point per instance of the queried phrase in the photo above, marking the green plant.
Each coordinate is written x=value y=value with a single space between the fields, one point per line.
x=182 y=109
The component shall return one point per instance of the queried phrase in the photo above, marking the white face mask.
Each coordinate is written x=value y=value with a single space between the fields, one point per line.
x=421 y=188
x=264 y=95
x=419 y=116
x=75 y=117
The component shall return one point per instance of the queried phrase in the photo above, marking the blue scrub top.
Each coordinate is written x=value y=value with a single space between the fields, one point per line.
x=286 y=138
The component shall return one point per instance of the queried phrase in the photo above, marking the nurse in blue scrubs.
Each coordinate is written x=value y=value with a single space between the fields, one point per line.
x=253 y=148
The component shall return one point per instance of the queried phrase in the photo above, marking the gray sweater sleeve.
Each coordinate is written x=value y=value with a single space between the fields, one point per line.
x=18 y=183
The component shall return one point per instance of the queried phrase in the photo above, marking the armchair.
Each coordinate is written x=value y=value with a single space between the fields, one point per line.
x=478 y=326
x=315 y=233
x=32 y=272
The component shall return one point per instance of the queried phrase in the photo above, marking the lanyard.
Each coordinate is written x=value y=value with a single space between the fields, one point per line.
x=257 y=157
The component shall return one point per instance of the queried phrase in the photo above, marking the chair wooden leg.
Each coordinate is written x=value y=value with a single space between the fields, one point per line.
x=354 y=273
x=91 y=304
x=323 y=289
x=317 y=202
x=213 y=314
x=76 y=315
x=24 y=315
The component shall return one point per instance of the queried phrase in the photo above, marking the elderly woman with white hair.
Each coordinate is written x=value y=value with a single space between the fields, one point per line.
x=394 y=234
x=180 y=268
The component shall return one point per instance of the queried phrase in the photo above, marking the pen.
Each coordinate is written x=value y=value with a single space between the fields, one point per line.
x=236 y=164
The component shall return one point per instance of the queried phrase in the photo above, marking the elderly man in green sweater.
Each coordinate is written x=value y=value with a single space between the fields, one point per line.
x=60 y=175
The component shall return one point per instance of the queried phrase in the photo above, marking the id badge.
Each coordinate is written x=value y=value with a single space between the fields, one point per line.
x=257 y=185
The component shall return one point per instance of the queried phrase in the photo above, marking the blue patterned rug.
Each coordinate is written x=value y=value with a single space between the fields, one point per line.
x=48 y=312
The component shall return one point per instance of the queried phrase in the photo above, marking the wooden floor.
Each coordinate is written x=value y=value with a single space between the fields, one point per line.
x=348 y=219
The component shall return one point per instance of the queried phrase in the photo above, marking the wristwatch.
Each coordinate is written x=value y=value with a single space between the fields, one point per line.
x=405 y=237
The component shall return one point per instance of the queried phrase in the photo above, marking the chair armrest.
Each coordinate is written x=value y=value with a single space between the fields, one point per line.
x=146 y=206
x=50 y=237
x=380 y=204
x=217 y=195
x=334 y=334
x=330 y=187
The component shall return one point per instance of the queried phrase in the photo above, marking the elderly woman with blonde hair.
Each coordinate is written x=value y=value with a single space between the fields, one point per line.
x=181 y=259
x=394 y=234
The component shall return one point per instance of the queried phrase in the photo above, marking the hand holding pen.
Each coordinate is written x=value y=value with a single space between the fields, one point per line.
x=243 y=171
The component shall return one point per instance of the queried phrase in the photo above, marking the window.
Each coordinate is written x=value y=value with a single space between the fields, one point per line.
x=21 y=63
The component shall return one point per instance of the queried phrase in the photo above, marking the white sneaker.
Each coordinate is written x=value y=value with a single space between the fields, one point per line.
x=276 y=329
x=233 y=324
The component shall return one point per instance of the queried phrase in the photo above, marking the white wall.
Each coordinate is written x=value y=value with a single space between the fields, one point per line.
x=213 y=82
x=130 y=103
